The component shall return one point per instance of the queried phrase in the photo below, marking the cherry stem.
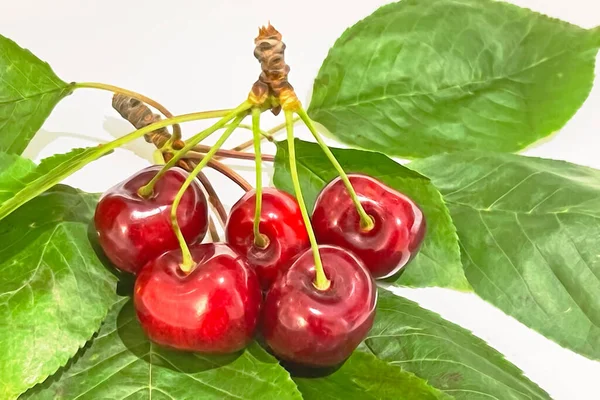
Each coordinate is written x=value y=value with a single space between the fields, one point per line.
x=213 y=197
x=212 y=228
x=231 y=174
x=49 y=180
x=265 y=135
x=138 y=96
x=187 y=260
x=321 y=281
x=223 y=169
x=146 y=190
x=366 y=222
x=268 y=135
x=223 y=153
x=259 y=239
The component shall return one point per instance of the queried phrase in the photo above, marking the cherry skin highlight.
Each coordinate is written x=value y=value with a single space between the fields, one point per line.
x=280 y=221
x=133 y=230
x=212 y=309
x=319 y=328
x=399 y=224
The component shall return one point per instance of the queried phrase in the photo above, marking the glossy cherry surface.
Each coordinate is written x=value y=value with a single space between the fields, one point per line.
x=319 y=328
x=133 y=230
x=213 y=309
x=399 y=224
x=280 y=221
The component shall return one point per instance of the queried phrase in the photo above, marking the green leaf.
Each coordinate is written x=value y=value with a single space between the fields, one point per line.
x=438 y=262
x=365 y=377
x=29 y=90
x=28 y=181
x=529 y=232
x=449 y=357
x=121 y=363
x=13 y=169
x=54 y=291
x=421 y=77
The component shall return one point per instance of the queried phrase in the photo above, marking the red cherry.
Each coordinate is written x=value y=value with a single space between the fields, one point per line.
x=212 y=309
x=319 y=328
x=133 y=230
x=396 y=236
x=280 y=221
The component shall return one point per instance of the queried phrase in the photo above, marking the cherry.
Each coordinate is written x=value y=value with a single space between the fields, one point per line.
x=399 y=224
x=133 y=230
x=280 y=223
x=319 y=328
x=212 y=309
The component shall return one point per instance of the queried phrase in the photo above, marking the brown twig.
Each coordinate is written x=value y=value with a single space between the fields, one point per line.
x=273 y=82
x=139 y=115
x=127 y=96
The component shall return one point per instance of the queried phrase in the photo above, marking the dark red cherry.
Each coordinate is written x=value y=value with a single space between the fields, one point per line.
x=399 y=224
x=133 y=230
x=319 y=328
x=281 y=223
x=212 y=309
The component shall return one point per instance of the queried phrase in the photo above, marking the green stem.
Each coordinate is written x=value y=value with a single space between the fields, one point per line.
x=268 y=135
x=260 y=240
x=263 y=133
x=60 y=172
x=146 y=190
x=366 y=222
x=281 y=127
x=187 y=260
x=321 y=281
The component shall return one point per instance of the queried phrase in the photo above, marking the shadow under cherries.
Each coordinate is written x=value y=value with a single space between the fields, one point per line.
x=133 y=337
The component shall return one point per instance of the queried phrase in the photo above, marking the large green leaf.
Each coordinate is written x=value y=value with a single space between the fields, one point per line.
x=365 y=377
x=29 y=90
x=13 y=169
x=438 y=262
x=529 y=232
x=54 y=291
x=421 y=77
x=449 y=357
x=122 y=363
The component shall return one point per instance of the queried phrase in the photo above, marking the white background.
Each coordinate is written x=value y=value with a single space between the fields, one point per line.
x=196 y=55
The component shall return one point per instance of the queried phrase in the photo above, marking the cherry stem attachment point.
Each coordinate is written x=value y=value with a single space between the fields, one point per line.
x=187 y=260
x=366 y=222
x=260 y=240
x=135 y=95
x=146 y=190
x=321 y=281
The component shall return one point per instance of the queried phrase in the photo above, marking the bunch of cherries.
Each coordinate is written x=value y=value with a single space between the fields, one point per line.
x=268 y=284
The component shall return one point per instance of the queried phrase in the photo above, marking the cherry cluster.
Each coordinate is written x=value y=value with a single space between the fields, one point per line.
x=266 y=284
